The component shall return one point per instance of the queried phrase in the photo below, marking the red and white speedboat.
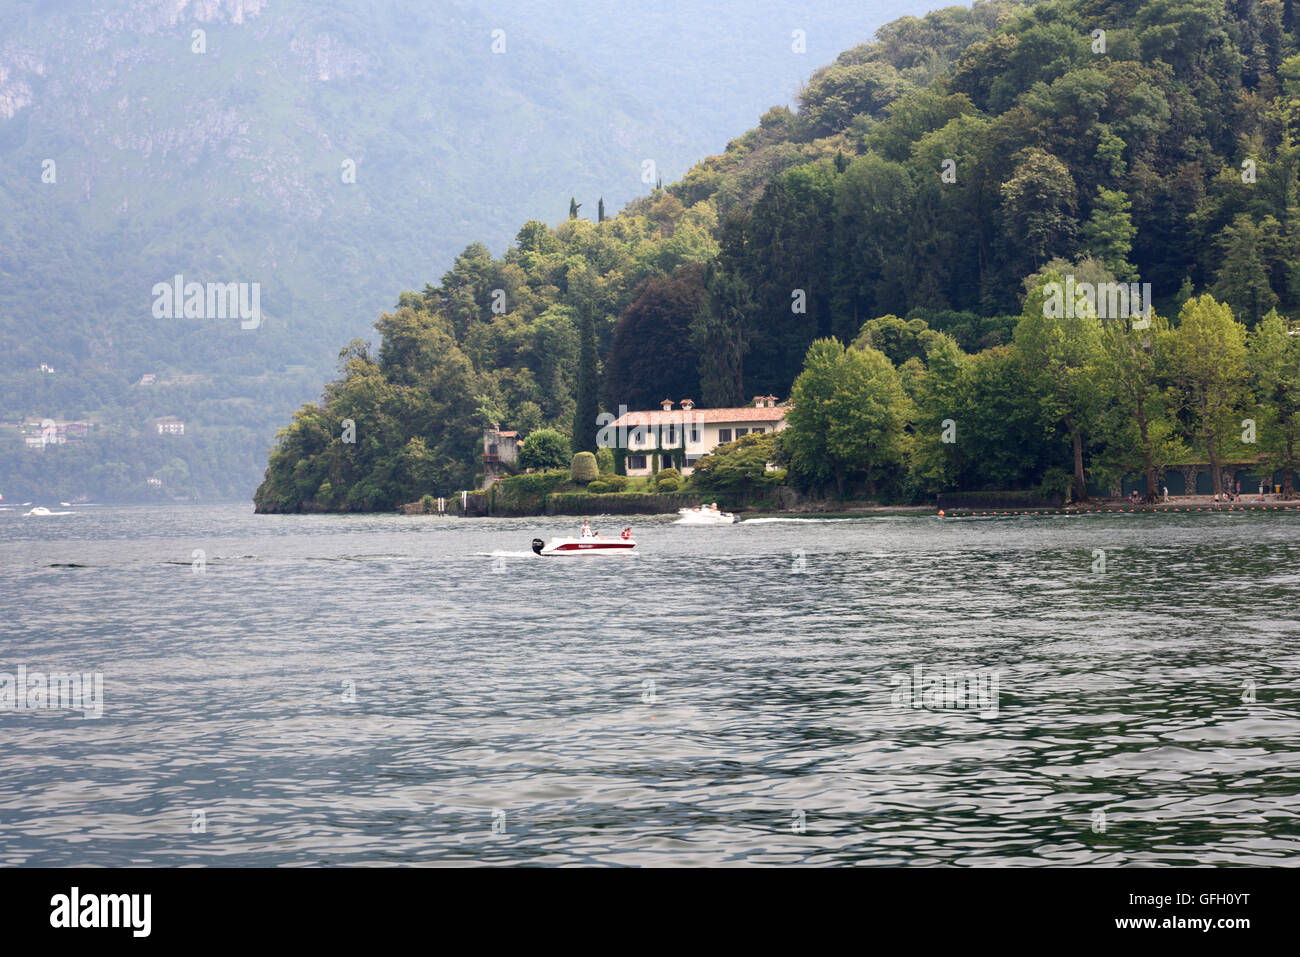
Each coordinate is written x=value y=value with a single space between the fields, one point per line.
x=587 y=544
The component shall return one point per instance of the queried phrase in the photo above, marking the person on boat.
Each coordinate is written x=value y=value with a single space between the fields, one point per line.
x=714 y=507
x=586 y=529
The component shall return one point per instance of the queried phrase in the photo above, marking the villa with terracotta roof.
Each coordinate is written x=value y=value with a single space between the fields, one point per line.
x=683 y=435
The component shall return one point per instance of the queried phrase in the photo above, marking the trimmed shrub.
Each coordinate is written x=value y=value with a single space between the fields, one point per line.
x=628 y=503
x=668 y=477
x=584 y=469
x=533 y=483
x=598 y=487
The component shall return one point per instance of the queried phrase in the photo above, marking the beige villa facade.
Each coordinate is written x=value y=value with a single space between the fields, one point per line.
x=686 y=433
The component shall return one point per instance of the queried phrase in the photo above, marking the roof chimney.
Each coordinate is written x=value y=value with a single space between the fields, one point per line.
x=666 y=404
x=688 y=404
x=771 y=401
x=758 y=402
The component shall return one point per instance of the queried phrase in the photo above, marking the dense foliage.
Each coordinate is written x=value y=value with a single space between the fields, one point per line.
x=1071 y=403
x=928 y=185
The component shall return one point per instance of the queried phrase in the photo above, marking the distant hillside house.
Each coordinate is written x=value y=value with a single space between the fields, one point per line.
x=654 y=440
x=170 y=425
x=500 y=449
x=149 y=378
x=39 y=434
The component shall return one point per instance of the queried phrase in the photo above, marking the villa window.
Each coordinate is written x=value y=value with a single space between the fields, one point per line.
x=695 y=433
x=724 y=435
x=636 y=461
x=758 y=431
x=671 y=440
x=740 y=432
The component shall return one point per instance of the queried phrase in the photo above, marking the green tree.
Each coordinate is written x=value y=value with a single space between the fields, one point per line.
x=718 y=331
x=1242 y=278
x=934 y=387
x=651 y=355
x=1059 y=352
x=1273 y=357
x=1108 y=233
x=739 y=469
x=545 y=449
x=1139 y=429
x=1208 y=360
x=838 y=93
x=847 y=417
x=1008 y=434
x=1038 y=209
x=588 y=406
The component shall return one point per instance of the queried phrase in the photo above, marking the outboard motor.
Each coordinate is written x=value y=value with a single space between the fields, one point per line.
x=538 y=545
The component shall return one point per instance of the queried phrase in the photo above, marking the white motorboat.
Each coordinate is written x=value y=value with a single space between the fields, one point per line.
x=38 y=511
x=588 y=543
x=705 y=515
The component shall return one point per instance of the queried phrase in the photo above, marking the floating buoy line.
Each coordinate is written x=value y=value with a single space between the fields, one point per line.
x=1256 y=507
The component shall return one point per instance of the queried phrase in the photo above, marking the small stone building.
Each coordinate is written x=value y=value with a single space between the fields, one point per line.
x=500 y=450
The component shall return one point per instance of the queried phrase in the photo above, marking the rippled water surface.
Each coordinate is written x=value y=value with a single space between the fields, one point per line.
x=730 y=695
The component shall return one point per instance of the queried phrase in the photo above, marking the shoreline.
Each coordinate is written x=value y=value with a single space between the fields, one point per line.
x=1180 y=504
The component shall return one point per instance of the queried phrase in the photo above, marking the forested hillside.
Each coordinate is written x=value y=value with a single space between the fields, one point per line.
x=333 y=152
x=925 y=175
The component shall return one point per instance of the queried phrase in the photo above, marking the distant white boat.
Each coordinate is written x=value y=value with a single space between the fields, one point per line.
x=40 y=511
x=704 y=515
x=66 y=504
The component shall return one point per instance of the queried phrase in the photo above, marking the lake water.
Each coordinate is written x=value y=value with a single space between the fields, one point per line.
x=420 y=690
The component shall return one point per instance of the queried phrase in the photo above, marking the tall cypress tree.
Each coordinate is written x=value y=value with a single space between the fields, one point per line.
x=574 y=206
x=584 y=416
x=600 y=210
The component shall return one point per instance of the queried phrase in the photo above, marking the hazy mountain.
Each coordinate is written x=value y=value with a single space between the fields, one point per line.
x=218 y=140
